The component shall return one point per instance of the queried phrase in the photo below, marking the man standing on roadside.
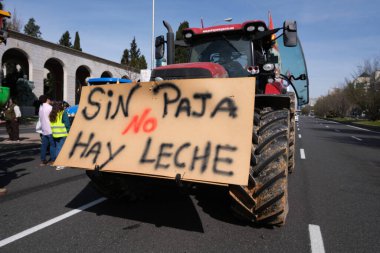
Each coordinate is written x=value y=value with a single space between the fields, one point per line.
x=12 y=115
x=47 y=137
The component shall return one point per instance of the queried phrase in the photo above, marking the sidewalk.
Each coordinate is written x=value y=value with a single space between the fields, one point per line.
x=26 y=137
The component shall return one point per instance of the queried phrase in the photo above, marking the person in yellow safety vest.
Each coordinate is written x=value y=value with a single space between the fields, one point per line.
x=60 y=127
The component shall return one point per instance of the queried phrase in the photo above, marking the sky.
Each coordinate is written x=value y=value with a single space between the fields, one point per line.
x=337 y=36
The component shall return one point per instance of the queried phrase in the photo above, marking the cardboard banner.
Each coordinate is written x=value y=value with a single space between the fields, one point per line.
x=198 y=128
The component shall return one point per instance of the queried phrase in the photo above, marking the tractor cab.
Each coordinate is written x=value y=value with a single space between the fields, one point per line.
x=249 y=49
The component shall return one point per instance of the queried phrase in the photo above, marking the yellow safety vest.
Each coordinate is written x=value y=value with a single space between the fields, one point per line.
x=58 y=128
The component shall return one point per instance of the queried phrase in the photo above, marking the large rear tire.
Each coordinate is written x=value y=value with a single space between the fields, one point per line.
x=265 y=200
x=292 y=131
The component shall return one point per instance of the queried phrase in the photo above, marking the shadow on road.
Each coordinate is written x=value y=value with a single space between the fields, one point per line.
x=11 y=156
x=167 y=206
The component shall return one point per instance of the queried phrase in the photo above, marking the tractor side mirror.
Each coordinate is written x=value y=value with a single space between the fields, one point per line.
x=160 y=47
x=290 y=33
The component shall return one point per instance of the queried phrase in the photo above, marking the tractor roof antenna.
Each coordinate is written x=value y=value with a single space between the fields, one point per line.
x=202 y=23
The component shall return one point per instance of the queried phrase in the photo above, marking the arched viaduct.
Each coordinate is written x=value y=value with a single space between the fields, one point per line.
x=55 y=70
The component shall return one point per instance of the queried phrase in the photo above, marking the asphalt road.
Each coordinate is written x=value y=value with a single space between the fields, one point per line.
x=333 y=195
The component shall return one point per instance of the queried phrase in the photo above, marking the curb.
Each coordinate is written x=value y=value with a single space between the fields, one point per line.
x=371 y=128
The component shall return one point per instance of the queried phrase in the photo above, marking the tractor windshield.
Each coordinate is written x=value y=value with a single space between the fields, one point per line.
x=293 y=63
x=232 y=52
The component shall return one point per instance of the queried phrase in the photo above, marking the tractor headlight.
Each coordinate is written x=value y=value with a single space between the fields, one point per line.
x=250 y=28
x=268 y=66
x=188 y=35
x=261 y=28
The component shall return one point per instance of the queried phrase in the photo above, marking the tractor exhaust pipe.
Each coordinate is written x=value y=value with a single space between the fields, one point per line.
x=170 y=43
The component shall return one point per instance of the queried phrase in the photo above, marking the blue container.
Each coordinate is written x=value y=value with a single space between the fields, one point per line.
x=107 y=80
x=72 y=110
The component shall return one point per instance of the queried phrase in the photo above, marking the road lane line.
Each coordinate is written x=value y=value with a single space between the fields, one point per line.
x=361 y=128
x=336 y=130
x=356 y=138
x=316 y=240
x=364 y=129
x=299 y=136
x=302 y=152
x=49 y=222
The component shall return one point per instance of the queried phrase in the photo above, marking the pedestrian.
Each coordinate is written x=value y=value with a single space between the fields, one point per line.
x=66 y=107
x=65 y=118
x=47 y=137
x=12 y=116
x=60 y=126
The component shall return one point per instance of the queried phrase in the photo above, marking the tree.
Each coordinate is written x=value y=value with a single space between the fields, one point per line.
x=142 y=63
x=32 y=29
x=306 y=110
x=356 y=93
x=360 y=96
x=133 y=58
x=181 y=53
x=364 y=90
x=125 y=59
x=15 y=23
x=134 y=53
x=372 y=88
x=65 y=40
x=50 y=86
x=77 y=42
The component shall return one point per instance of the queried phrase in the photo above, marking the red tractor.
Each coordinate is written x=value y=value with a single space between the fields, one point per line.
x=246 y=50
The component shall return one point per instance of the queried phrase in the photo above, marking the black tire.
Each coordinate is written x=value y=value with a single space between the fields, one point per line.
x=292 y=132
x=265 y=200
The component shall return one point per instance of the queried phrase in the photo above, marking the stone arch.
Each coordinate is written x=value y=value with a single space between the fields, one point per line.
x=53 y=81
x=106 y=74
x=125 y=77
x=81 y=74
x=14 y=65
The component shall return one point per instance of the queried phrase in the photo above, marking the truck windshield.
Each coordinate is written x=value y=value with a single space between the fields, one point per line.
x=232 y=52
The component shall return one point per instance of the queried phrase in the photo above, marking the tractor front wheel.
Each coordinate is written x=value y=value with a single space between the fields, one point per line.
x=265 y=199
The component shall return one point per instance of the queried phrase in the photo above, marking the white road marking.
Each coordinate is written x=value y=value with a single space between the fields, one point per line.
x=49 y=222
x=362 y=129
x=327 y=126
x=302 y=153
x=356 y=138
x=299 y=136
x=298 y=129
x=337 y=130
x=316 y=240
x=333 y=122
